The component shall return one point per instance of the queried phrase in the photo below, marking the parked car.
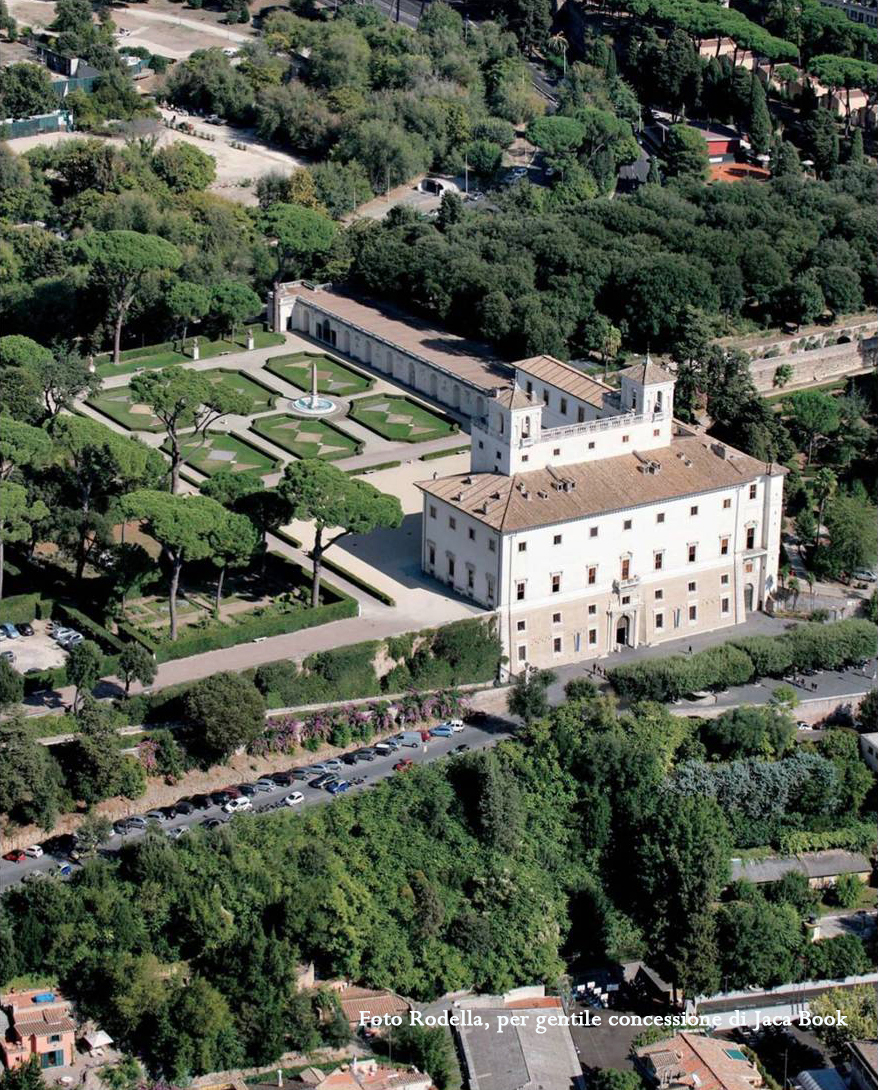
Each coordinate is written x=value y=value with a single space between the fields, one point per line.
x=462 y=748
x=248 y=790
x=220 y=798
x=156 y=815
x=350 y=759
x=441 y=731
x=65 y=869
x=320 y=780
x=71 y=640
x=457 y=725
x=338 y=787
x=120 y=827
x=35 y=851
x=411 y=738
x=319 y=767
x=298 y=774
x=175 y=834
x=54 y=627
x=15 y=856
x=294 y=798
x=282 y=779
x=184 y=807
x=382 y=749
x=214 y=119
x=137 y=822
x=25 y=629
x=403 y=764
x=10 y=631
x=238 y=806
x=802 y=726
x=333 y=764
x=212 y=823
x=425 y=735
x=202 y=802
x=365 y=754
x=264 y=783
x=866 y=575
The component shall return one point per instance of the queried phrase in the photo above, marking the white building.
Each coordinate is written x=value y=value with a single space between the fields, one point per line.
x=456 y=372
x=591 y=520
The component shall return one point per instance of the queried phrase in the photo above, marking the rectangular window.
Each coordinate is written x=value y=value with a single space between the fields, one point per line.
x=471 y=533
x=657 y=561
x=694 y=510
x=563 y=404
x=593 y=531
x=529 y=386
x=525 y=457
x=691 y=554
x=593 y=609
x=625 y=567
x=577 y=641
x=581 y=415
x=452 y=522
x=659 y=620
x=724 y=605
x=432 y=510
x=481 y=445
x=520 y=626
x=727 y=503
x=593 y=636
x=556 y=618
x=724 y=580
x=556 y=451
x=520 y=591
x=522 y=652
x=724 y=546
x=556 y=539
x=655 y=433
x=591 y=445
x=451 y=567
x=492 y=545
x=691 y=588
x=626 y=599
x=627 y=524
x=660 y=516
x=470 y=578
x=546 y=397
x=692 y=612
x=555 y=582
x=750 y=533
x=523 y=546
x=557 y=645
x=592 y=576
x=752 y=492
x=658 y=595
x=625 y=438
x=497 y=454
x=489 y=582
x=431 y=555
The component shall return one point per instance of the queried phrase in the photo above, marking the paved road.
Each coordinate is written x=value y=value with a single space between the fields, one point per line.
x=476 y=737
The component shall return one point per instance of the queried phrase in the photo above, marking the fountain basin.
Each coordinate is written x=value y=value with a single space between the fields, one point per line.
x=313 y=405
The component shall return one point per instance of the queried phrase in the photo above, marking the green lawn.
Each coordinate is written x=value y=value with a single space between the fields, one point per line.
x=399 y=418
x=117 y=404
x=261 y=398
x=306 y=438
x=332 y=377
x=164 y=355
x=223 y=451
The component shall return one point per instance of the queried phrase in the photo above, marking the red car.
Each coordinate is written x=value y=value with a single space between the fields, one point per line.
x=15 y=856
x=426 y=736
x=403 y=764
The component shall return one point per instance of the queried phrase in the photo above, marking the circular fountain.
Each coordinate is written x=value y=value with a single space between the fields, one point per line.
x=313 y=404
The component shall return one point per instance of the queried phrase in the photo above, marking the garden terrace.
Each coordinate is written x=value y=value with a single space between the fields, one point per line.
x=306 y=438
x=399 y=418
x=333 y=377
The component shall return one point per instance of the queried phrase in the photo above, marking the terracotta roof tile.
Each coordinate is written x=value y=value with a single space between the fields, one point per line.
x=565 y=377
x=690 y=465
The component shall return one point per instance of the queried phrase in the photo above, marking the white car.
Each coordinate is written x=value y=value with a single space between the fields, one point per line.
x=34 y=851
x=230 y=52
x=294 y=798
x=457 y=725
x=238 y=806
x=865 y=575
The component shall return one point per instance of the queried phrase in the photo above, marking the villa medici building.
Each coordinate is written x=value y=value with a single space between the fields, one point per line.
x=590 y=519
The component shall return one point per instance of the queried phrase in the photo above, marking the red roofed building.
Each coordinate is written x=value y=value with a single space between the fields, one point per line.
x=703 y=1063
x=36 y=1023
x=361 y=1004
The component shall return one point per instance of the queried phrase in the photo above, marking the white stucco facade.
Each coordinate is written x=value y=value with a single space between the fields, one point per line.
x=586 y=538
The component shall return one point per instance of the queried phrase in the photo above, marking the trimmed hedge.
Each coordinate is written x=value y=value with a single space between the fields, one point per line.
x=19 y=608
x=432 y=455
x=372 y=469
x=356 y=581
x=102 y=636
x=220 y=636
x=819 y=646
